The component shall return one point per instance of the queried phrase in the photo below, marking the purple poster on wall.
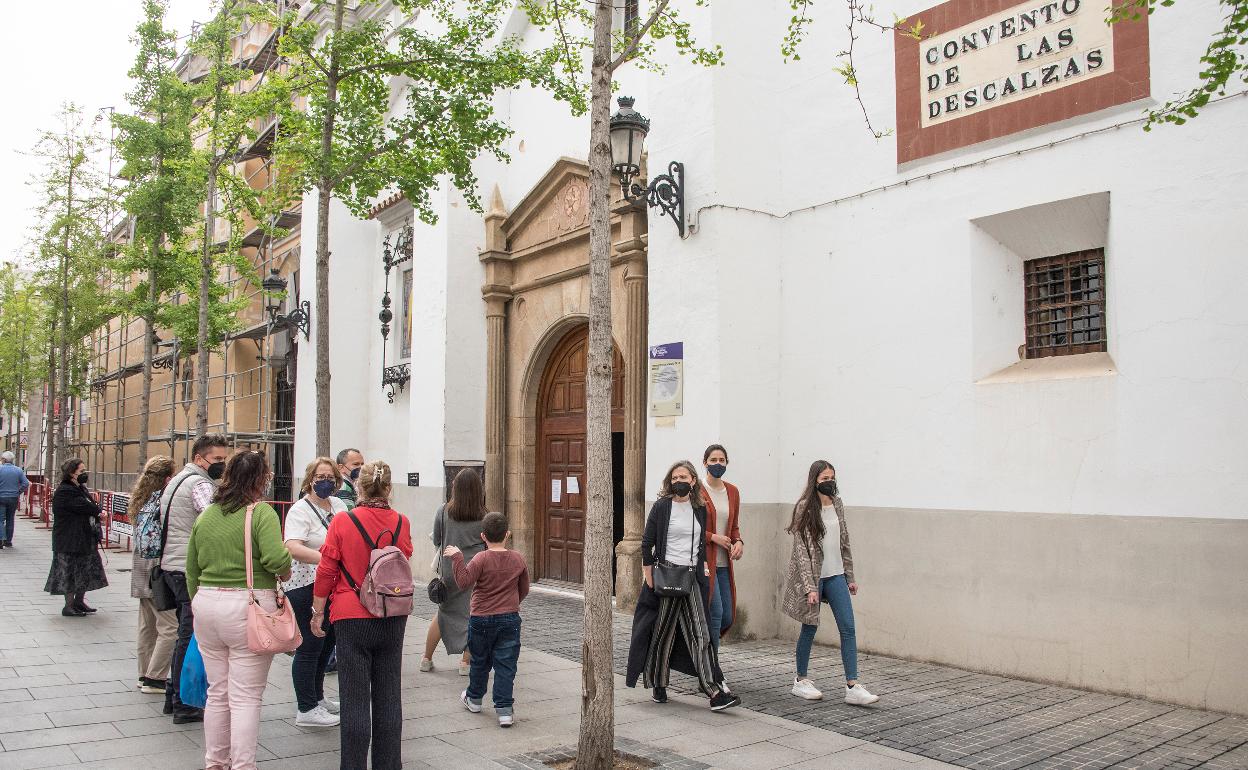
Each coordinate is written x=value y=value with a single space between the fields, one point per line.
x=668 y=352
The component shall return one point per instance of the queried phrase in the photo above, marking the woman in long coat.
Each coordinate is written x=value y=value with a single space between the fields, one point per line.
x=670 y=632
x=457 y=523
x=76 y=564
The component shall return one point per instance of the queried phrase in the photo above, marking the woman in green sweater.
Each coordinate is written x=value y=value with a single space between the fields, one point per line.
x=216 y=578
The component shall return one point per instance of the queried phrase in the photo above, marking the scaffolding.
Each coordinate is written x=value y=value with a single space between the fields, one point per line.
x=251 y=378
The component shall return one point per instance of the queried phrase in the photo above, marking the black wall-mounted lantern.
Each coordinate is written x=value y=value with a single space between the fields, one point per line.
x=300 y=318
x=394 y=378
x=667 y=191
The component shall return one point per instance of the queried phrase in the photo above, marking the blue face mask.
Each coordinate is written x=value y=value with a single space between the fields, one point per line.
x=355 y=473
x=323 y=488
x=717 y=469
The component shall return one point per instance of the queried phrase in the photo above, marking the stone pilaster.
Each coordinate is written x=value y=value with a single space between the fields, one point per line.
x=632 y=248
x=497 y=293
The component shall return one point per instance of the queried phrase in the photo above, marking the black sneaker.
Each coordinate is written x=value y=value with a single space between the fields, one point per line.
x=723 y=701
x=187 y=715
x=659 y=695
x=72 y=612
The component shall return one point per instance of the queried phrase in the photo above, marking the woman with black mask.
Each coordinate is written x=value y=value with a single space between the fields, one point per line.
x=76 y=564
x=669 y=623
x=821 y=568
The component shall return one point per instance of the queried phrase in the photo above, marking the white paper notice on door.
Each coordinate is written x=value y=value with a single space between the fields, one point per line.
x=556 y=490
x=574 y=485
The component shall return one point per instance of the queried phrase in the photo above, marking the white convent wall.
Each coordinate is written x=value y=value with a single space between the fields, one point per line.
x=1073 y=530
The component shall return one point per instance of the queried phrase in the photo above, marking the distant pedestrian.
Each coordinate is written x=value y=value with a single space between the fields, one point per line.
x=350 y=461
x=821 y=568
x=723 y=540
x=158 y=629
x=190 y=493
x=499 y=580
x=13 y=484
x=307 y=523
x=217 y=580
x=76 y=564
x=370 y=648
x=670 y=630
x=457 y=523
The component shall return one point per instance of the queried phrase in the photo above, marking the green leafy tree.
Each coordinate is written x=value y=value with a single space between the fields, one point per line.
x=69 y=243
x=226 y=109
x=164 y=192
x=23 y=347
x=608 y=49
x=1225 y=59
x=340 y=137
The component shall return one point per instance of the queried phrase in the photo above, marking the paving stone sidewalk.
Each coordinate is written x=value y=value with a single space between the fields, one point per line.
x=68 y=698
x=964 y=718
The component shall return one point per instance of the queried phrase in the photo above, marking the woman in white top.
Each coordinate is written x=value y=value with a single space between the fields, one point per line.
x=723 y=540
x=307 y=521
x=670 y=631
x=821 y=568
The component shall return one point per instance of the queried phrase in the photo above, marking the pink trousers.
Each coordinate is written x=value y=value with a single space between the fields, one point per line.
x=236 y=676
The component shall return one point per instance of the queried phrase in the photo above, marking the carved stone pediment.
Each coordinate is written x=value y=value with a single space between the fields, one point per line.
x=556 y=207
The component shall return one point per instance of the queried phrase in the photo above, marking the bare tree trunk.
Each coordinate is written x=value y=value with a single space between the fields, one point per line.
x=325 y=192
x=205 y=284
x=49 y=405
x=596 y=744
x=149 y=353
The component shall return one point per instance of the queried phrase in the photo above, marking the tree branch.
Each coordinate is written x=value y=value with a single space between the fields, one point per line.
x=635 y=42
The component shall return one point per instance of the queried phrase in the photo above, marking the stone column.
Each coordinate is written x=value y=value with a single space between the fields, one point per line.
x=497 y=293
x=632 y=249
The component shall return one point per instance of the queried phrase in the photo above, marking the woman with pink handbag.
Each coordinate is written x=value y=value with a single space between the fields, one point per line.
x=235 y=559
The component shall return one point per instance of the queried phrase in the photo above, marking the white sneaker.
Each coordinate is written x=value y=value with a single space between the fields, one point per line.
x=332 y=706
x=858 y=696
x=426 y=664
x=804 y=688
x=473 y=707
x=317 y=717
x=505 y=720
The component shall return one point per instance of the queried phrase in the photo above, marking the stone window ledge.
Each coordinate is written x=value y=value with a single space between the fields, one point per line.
x=1076 y=367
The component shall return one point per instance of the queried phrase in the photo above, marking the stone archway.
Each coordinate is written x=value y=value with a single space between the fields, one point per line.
x=536 y=291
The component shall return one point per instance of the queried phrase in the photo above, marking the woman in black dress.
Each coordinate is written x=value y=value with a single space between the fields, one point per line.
x=76 y=564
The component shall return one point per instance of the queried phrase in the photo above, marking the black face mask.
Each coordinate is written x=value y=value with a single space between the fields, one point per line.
x=216 y=470
x=827 y=487
x=681 y=488
x=82 y=479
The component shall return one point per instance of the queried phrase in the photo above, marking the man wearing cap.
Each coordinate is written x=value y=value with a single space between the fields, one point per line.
x=13 y=483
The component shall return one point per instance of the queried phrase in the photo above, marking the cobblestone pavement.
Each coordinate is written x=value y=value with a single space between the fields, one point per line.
x=960 y=717
x=68 y=699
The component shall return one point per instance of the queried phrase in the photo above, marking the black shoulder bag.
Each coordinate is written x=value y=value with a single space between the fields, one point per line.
x=163 y=597
x=437 y=586
x=676 y=580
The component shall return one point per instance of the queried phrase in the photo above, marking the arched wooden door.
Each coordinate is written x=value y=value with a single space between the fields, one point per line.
x=561 y=456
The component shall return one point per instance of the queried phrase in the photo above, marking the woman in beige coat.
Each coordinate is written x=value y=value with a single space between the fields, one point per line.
x=822 y=569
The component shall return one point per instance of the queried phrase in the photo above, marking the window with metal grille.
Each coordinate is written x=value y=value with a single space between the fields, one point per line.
x=631 y=15
x=1065 y=304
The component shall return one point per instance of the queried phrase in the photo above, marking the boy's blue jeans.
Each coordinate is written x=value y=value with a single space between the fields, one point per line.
x=494 y=643
x=835 y=591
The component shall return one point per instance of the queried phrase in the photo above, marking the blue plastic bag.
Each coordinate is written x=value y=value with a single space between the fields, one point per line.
x=193 y=687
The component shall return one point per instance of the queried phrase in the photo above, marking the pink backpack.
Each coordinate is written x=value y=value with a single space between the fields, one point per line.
x=387 y=588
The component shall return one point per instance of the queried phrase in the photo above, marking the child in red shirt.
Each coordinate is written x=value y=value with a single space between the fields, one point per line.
x=500 y=581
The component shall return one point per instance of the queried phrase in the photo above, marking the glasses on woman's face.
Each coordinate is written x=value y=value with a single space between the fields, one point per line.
x=323 y=477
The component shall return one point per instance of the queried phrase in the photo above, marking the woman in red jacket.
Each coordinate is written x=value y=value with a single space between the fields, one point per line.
x=370 y=649
x=723 y=541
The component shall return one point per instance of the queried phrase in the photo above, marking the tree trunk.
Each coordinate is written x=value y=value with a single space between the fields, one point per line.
x=325 y=192
x=596 y=743
x=149 y=353
x=49 y=405
x=205 y=285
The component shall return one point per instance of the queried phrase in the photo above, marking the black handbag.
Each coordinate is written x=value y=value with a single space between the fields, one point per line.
x=437 y=587
x=675 y=580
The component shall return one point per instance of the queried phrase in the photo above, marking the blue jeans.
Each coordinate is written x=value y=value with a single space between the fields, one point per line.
x=835 y=591
x=721 y=606
x=307 y=670
x=494 y=643
x=8 y=513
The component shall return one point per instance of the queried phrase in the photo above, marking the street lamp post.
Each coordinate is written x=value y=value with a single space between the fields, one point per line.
x=665 y=192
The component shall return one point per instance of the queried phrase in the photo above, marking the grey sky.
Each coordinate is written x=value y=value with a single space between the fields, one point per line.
x=75 y=50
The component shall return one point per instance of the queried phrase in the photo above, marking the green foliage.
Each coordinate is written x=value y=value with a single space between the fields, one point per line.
x=1224 y=61
x=164 y=171
x=440 y=75
x=23 y=338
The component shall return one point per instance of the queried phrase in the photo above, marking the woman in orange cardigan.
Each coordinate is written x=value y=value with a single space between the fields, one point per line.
x=723 y=540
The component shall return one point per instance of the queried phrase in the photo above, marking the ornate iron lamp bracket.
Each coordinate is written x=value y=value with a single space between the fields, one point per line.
x=665 y=192
x=393 y=378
